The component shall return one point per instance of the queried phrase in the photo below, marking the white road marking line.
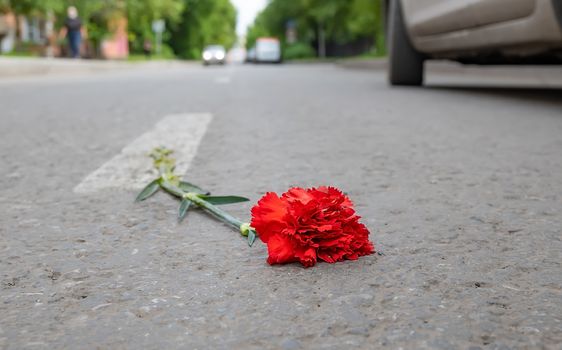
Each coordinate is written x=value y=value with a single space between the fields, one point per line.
x=222 y=80
x=132 y=168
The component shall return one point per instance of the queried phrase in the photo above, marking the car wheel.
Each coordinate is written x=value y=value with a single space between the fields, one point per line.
x=405 y=64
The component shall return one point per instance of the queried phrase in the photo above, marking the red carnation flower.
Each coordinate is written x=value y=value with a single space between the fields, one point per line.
x=309 y=224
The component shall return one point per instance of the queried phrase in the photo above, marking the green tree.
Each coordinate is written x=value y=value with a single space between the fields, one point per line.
x=141 y=14
x=380 y=31
x=320 y=21
x=191 y=24
x=4 y=6
x=203 y=22
x=272 y=20
x=32 y=7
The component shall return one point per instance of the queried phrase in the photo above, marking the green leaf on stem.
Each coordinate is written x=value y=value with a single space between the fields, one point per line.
x=184 y=206
x=220 y=200
x=251 y=237
x=189 y=187
x=149 y=190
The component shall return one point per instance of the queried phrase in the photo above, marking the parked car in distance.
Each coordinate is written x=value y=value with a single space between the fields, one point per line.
x=236 y=54
x=251 y=55
x=470 y=31
x=268 y=50
x=214 y=54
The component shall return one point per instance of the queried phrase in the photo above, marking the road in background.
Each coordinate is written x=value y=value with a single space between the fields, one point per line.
x=460 y=187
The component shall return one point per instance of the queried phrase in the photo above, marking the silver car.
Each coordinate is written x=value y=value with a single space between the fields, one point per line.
x=470 y=31
x=214 y=54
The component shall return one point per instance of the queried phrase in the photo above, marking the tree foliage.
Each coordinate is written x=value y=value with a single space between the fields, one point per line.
x=190 y=24
x=4 y=6
x=32 y=7
x=203 y=22
x=141 y=14
x=342 y=21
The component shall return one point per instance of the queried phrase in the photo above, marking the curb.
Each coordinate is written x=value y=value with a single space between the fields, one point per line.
x=26 y=67
x=365 y=64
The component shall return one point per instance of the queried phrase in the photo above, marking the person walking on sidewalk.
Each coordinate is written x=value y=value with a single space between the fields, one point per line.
x=73 y=31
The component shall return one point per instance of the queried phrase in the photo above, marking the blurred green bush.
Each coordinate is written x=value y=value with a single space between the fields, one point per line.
x=297 y=51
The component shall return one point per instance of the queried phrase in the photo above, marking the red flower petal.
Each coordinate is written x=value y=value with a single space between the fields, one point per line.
x=298 y=194
x=281 y=250
x=309 y=224
x=268 y=216
x=306 y=256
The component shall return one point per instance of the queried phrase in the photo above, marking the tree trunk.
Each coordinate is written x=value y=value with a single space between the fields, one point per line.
x=321 y=40
x=18 y=30
x=380 y=30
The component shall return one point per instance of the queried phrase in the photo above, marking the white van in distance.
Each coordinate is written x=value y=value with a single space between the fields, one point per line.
x=268 y=50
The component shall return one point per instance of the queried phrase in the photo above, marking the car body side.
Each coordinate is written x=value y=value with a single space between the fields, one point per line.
x=475 y=29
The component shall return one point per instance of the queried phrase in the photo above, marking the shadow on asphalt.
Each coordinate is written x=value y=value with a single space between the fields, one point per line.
x=542 y=95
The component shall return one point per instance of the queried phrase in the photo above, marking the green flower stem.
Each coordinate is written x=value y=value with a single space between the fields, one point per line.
x=169 y=182
x=200 y=202
x=219 y=213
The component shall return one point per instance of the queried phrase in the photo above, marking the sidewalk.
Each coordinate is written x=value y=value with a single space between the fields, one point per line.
x=14 y=67
x=363 y=63
x=443 y=72
x=23 y=66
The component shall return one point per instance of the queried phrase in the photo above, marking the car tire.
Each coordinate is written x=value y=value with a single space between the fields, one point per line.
x=405 y=64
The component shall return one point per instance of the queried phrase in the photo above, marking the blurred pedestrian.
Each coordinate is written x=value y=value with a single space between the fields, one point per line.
x=73 y=31
x=147 y=48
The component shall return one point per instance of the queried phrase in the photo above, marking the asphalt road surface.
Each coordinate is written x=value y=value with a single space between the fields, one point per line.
x=460 y=185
